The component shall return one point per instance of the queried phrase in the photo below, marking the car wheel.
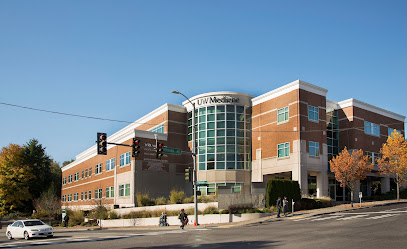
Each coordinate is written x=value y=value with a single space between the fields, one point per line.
x=9 y=236
x=26 y=236
x=50 y=236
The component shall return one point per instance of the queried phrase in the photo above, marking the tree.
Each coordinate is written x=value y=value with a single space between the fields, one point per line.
x=48 y=202
x=67 y=162
x=15 y=177
x=56 y=178
x=39 y=163
x=393 y=162
x=349 y=169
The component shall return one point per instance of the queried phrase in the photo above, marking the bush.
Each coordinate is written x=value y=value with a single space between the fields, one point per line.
x=312 y=203
x=189 y=199
x=112 y=214
x=210 y=210
x=241 y=208
x=280 y=188
x=177 y=197
x=206 y=198
x=144 y=200
x=161 y=201
x=99 y=212
x=75 y=217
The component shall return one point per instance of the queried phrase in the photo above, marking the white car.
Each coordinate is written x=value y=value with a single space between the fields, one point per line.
x=29 y=229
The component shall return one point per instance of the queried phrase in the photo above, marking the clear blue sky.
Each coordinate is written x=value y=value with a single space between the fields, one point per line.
x=121 y=59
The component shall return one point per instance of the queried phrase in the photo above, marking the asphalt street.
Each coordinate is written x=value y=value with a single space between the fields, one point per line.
x=377 y=227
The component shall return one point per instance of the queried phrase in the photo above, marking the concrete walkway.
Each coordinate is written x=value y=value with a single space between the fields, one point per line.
x=271 y=218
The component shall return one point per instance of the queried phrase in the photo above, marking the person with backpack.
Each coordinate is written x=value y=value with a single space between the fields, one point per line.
x=66 y=219
x=183 y=218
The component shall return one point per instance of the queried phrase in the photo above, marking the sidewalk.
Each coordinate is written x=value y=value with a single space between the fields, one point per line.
x=297 y=215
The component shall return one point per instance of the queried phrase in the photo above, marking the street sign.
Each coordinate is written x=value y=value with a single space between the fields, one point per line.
x=173 y=151
x=201 y=182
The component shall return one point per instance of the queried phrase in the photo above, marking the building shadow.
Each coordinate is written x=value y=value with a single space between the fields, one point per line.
x=237 y=244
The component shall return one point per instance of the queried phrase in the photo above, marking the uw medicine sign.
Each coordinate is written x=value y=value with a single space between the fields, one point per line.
x=217 y=100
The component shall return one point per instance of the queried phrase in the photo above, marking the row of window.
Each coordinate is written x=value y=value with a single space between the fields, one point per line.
x=283 y=114
x=124 y=190
x=374 y=129
x=283 y=150
x=125 y=159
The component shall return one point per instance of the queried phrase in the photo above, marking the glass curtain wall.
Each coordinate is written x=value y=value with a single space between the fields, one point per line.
x=332 y=134
x=223 y=137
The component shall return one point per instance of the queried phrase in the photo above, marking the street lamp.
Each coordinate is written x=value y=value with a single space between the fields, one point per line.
x=193 y=156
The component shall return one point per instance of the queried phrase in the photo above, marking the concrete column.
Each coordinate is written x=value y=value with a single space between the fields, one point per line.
x=385 y=184
x=356 y=192
x=299 y=172
x=322 y=184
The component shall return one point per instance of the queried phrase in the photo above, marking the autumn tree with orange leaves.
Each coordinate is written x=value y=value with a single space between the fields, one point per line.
x=14 y=179
x=393 y=162
x=349 y=169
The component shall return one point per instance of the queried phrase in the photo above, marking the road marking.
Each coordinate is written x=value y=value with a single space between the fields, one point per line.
x=327 y=218
x=352 y=217
x=381 y=216
x=305 y=219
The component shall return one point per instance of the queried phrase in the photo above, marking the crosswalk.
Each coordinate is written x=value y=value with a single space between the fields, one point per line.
x=361 y=215
x=91 y=237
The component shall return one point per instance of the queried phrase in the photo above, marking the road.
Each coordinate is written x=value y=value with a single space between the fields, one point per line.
x=378 y=227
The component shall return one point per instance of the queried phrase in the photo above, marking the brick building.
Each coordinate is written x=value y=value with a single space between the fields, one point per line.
x=242 y=141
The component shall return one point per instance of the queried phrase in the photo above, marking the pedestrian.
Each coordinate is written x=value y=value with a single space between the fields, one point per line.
x=183 y=218
x=285 y=206
x=66 y=219
x=278 y=207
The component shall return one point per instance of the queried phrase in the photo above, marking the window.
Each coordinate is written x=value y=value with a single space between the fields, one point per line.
x=81 y=196
x=372 y=129
x=313 y=113
x=83 y=174
x=282 y=115
x=110 y=164
x=373 y=156
x=90 y=171
x=98 y=193
x=86 y=172
x=70 y=197
x=64 y=181
x=98 y=168
x=64 y=198
x=124 y=190
x=76 y=176
x=283 y=150
x=86 y=195
x=390 y=131
x=109 y=192
x=125 y=159
x=313 y=149
x=75 y=196
x=158 y=129
x=90 y=194
x=69 y=178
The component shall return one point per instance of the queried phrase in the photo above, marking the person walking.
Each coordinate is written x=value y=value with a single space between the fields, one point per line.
x=285 y=206
x=278 y=207
x=183 y=218
x=66 y=219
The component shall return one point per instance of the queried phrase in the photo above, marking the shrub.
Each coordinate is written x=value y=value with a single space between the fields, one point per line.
x=312 y=203
x=189 y=199
x=206 y=198
x=224 y=211
x=161 y=201
x=75 y=217
x=144 y=200
x=241 y=208
x=99 y=212
x=112 y=214
x=280 y=188
x=177 y=197
x=210 y=210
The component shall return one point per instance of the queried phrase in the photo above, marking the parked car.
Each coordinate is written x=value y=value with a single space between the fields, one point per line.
x=29 y=229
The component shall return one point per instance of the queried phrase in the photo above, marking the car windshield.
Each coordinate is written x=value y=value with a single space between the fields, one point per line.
x=33 y=223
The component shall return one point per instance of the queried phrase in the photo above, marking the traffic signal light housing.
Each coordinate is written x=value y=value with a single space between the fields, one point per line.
x=159 y=150
x=135 y=147
x=101 y=143
x=188 y=174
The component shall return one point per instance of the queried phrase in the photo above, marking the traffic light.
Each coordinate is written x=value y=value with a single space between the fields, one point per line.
x=135 y=147
x=188 y=174
x=159 y=148
x=101 y=143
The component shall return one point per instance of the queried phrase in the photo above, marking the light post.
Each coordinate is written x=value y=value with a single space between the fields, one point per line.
x=193 y=156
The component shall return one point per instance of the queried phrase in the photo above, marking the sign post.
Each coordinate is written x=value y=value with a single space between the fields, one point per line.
x=360 y=199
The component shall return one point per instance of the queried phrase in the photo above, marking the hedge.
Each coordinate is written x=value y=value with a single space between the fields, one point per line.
x=282 y=188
